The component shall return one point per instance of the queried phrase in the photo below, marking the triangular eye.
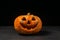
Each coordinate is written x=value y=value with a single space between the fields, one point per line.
x=33 y=18
x=23 y=18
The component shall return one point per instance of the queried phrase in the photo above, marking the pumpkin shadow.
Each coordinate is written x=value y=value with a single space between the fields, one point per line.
x=41 y=33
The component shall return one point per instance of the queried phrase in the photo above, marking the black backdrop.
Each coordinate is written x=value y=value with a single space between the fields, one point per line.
x=9 y=11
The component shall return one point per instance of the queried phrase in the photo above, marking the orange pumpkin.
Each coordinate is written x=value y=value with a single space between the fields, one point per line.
x=27 y=24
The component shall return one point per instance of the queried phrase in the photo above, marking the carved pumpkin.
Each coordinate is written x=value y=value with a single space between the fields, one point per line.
x=27 y=24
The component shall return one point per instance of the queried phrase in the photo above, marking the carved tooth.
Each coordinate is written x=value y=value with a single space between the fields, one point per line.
x=31 y=29
x=25 y=28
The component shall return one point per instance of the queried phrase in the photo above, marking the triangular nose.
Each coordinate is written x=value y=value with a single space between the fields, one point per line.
x=28 y=22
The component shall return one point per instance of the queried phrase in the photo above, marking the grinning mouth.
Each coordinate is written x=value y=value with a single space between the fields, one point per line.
x=28 y=26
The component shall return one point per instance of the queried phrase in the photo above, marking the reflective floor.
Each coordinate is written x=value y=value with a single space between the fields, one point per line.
x=47 y=33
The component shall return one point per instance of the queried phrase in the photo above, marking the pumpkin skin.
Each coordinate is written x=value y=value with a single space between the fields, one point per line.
x=27 y=24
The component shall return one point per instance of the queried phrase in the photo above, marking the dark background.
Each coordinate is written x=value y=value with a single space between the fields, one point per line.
x=46 y=10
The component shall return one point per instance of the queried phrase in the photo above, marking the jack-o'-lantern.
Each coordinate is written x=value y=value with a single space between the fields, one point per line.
x=28 y=24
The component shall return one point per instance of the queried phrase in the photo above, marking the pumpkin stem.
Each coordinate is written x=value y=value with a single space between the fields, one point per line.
x=28 y=13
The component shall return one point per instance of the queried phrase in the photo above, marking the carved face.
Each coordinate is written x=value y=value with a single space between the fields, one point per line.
x=28 y=24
